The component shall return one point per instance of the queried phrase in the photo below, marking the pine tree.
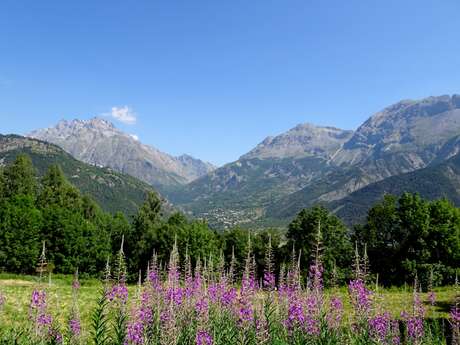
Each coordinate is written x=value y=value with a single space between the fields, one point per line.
x=20 y=178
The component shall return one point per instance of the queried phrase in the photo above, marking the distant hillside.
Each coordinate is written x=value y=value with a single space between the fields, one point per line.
x=238 y=192
x=113 y=191
x=434 y=182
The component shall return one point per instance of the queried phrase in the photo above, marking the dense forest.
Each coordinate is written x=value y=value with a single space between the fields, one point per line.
x=402 y=237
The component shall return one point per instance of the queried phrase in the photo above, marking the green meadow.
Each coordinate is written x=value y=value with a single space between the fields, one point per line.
x=17 y=290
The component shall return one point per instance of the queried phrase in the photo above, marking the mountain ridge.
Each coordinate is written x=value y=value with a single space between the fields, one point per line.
x=300 y=141
x=97 y=141
x=403 y=137
x=305 y=165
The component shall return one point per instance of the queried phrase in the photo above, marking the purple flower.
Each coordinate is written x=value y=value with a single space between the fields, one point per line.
x=334 y=317
x=214 y=291
x=175 y=295
x=360 y=296
x=203 y=338
x=201 y=307
x=246 y=314
x=312 y=326
x=154 y=279
x=415 y=329
x=44 y=320
x=165 y=316
x=313 y=304
x=173 y=276
x=118 y=293
x=197 y=281
x=380 y=327
x=228 y=297
x=55 y=335
x=313 y=307
x=419 y=309
x=144 y=311
x=75 y=327
x=269 y=280
x=38 y=299
x=455 y=315
x=144 y=314
x=296 y=316
x=248 y=284
x=75 y=284
x=404 y=315
x=414 y=321
x=134 y=333
x=316 y=276
x=38 y=314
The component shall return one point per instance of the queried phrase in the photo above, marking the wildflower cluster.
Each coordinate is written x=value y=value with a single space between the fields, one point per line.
x=203 y=303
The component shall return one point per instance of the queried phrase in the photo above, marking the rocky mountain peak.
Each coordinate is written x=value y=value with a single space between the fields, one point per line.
x=95 y=122
x=410 y=123
x=301 y=141
x=99 y=123
x=409 y=109
x=97 y=141
x=65 y=128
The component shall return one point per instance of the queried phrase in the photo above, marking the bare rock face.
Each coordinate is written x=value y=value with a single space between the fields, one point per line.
x=407 y=127
x=304 y=140
x=404 y=137
x=98 y=142
x=192 y=168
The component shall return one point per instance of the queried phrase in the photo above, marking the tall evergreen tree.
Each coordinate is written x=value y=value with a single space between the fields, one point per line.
x=302 y=235
x=20 y=221
x=20 y=177
x=57 y=190
x=20 y=225
x=141 y=240
x=74 y=234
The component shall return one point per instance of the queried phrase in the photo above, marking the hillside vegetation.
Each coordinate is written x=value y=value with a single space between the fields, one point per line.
x=113 y=191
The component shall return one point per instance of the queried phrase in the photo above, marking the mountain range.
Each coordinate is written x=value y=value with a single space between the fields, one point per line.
x=285 y=173
x=404 y=137
x=98 y=142
x=311 y=164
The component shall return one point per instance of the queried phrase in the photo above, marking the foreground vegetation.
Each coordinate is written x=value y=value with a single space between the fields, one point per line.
x=17 y=290
x=208 y=304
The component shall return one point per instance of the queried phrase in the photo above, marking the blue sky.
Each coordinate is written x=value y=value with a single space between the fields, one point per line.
x=213 y=78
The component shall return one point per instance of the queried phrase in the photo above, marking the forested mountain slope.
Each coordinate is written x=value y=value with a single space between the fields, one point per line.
x=112 y=190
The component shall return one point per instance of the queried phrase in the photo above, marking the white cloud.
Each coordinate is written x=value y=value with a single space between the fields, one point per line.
x=124 y=114
x=135 y=137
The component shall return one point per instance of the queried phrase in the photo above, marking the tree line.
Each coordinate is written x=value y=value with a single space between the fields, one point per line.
x=402 y=237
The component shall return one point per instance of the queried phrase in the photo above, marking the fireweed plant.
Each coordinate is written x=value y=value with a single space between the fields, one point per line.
x=206 y=304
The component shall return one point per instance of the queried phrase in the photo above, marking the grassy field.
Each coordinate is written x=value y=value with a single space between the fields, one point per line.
x=18 y=289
